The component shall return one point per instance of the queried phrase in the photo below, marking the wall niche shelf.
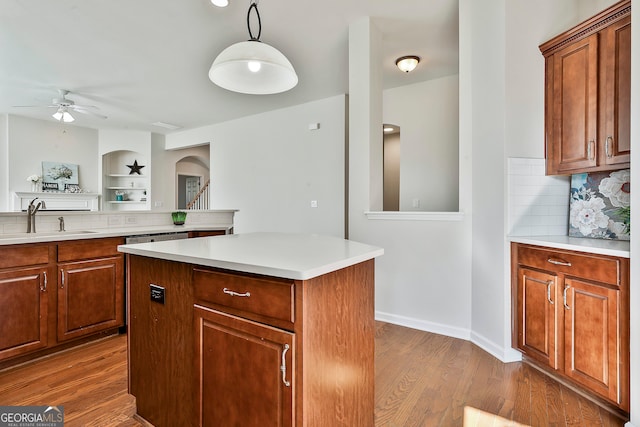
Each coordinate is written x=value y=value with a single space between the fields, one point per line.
x=134 y=188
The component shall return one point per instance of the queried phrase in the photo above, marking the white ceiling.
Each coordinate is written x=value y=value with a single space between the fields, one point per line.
x=144 y=61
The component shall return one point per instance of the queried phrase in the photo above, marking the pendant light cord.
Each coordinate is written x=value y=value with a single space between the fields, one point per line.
x=254 y=6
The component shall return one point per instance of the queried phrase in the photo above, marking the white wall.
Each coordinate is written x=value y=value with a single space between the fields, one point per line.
x=423 y=279
x=271 y=166
x=427 y=114
x=4 y=164
x=32 y=141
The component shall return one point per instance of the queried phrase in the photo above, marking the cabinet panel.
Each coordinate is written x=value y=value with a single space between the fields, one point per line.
x=575 y=107
x=90 y=297
x=23 y=311
x=616 y=66
x=591 y=336
x=536 y=315
x=245 y=371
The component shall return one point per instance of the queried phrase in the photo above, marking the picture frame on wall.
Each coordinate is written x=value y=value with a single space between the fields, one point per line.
x=56 y=176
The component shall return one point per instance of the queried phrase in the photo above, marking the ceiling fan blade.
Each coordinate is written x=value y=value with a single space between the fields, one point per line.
x=83 y=110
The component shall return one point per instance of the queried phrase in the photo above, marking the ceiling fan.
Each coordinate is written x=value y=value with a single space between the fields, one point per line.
x=64 y=105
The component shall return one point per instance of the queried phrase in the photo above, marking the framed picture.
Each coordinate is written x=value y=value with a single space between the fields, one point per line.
x=56 y=176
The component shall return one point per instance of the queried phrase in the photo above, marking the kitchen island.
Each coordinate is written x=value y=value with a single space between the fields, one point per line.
x=258 y=329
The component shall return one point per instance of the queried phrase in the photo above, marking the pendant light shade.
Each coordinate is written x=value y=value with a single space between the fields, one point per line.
x=253 y=67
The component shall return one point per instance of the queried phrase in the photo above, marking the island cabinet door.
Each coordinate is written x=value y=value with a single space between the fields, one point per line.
x=90 y=297
x=245 y=372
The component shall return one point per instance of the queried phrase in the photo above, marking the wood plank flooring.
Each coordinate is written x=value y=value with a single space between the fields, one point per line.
x=422 y=379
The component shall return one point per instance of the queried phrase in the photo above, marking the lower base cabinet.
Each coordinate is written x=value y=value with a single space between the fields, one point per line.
x=41 y=311
x=571 y=316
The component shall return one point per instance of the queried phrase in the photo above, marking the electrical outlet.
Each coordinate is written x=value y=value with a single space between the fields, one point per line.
x=314 y=203
x=115 y=220
x=157 y=204
x=131 y=220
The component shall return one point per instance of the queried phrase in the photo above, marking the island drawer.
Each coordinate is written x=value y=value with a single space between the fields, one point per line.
x=248 y=295
x=595 y=267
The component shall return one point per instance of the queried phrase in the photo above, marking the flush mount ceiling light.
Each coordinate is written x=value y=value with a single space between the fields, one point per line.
x=62 y=115
x=407 y=63
x=253 y=67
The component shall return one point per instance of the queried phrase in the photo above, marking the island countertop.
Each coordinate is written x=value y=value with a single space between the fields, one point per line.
x=286 y=255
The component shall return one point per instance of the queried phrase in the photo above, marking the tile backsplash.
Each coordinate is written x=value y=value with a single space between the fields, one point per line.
x=538 y=205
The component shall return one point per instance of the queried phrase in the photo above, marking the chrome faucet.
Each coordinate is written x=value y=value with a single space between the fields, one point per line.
x=61 y=219
x=31 y=214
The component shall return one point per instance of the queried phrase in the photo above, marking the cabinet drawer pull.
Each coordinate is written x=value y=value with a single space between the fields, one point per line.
x=283 y=367
x=564 y=297
x=559 y=262
x=607 y=147
x=43 y=287
x=235 y=294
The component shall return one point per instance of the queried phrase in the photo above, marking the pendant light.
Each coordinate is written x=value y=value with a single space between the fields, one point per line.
x=253 y=67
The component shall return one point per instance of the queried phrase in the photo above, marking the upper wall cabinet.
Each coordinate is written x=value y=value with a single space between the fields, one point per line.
x=587 y=94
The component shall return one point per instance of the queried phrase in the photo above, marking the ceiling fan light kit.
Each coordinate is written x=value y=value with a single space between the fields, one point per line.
x=62 y=115
x=253 y=67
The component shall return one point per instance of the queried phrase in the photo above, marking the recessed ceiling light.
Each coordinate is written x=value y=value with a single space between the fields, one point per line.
x=220 y=3
x=388 y=129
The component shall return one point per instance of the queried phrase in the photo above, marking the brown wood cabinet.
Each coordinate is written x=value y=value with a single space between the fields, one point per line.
x=42 y=311
x=587 y=94
x=246 y=371
x=90 y=287
x=571 y=315
x=225 y=348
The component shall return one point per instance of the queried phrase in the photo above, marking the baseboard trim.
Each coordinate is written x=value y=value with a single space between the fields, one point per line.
x=504 y=355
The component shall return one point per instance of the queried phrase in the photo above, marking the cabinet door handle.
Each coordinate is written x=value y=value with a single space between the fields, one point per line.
x=549 y=283
x=590 y=149
x=43 y=286
x=559 y=262
x=235 y=294
x=607 y=147
x=62 y=281
x=283 y=366
x=564 y=297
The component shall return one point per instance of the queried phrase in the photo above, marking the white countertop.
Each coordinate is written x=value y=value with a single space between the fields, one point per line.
x=286 y=255
x=619 y=248
x=55 y=236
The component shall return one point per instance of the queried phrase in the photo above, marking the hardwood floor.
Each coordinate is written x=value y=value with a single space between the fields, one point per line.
x=422 y=379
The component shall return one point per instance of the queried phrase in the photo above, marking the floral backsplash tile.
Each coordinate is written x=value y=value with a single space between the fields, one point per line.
x=600 y=205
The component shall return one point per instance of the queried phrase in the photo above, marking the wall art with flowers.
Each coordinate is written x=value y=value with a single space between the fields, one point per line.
x=600 y=205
